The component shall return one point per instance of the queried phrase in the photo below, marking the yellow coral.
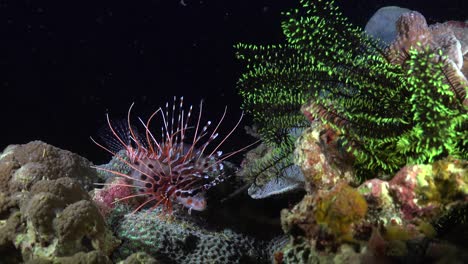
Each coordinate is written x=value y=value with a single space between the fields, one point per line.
x=339 y=208
x=406 y=232
x=441 y=182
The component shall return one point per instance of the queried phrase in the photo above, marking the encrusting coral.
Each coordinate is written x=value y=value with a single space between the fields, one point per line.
x=321 y=160
x=326 y=217
x=381 y=219
x=183 y=239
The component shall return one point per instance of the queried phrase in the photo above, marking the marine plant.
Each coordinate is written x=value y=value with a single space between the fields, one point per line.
x=387 y=114
x=176 y=167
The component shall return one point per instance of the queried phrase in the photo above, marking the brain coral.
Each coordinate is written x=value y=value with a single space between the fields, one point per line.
x=23 y=165
x=59 y=219
x=46 y=212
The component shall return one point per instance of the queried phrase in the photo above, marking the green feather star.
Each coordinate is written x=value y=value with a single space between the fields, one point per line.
x=388 y=115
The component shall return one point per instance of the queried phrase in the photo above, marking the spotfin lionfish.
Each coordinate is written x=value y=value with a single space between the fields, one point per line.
x=168 y=169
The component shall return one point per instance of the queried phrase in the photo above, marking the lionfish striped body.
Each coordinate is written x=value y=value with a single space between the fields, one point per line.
x=169 y=170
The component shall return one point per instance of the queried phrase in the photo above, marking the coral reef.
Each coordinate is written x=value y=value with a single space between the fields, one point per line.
x=450 y=37
x=44 y=215
x=179 y=238
x=326 y=217
x=114 y=191
x=321 y=160
x=23 y=165
x=139 y=258
x=396 y=220
x=384 y=162
x=379 y=106
x=422 y=192
x=376 y=136
x=56 y=218
x=92 y=257
x=183 y=240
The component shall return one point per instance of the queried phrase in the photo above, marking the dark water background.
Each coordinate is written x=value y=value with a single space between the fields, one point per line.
x=54 y=53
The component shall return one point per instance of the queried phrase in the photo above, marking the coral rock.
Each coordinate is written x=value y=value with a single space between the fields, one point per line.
x=46 y=216
x=139 y=258
x=61 y=221
x=424 y=190
x=328 y=216
x=378 y=25
x=322 y=163
x=420 y=192
x=81 y=221
x=92 y=257
x=23 y=165
x=381 y=204
x=180 y=240
x=413 y=32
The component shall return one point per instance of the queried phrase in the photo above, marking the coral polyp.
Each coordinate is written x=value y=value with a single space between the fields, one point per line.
x=174 y=167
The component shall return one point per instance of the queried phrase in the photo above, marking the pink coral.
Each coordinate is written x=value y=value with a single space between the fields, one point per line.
x=403 y=187
x=407 y=187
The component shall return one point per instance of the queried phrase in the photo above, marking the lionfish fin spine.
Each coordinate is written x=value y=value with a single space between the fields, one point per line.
x=228 y=135
x=135 y=139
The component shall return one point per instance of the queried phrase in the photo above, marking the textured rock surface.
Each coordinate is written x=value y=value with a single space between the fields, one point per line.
x=327 y=217
x=139 y=258
x=59 y=219
x=45 y=216
x=450 y=37
x=322 y=162
x=23 y=165
x=409 y=217
x=181 y=240
x=382 y=23
x=421 y=192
